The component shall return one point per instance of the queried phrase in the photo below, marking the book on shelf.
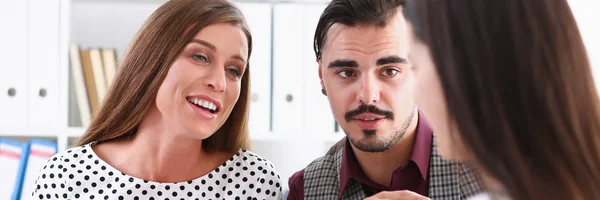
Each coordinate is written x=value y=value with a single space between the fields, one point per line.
x=110 y=62
x=93 y=70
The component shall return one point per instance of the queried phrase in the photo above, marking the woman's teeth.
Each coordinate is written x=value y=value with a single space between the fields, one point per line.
x=203 y=103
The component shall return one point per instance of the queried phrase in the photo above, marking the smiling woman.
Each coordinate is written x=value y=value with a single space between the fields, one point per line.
x=174 y=122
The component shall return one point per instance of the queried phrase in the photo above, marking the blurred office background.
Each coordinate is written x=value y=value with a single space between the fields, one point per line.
x=44 y=109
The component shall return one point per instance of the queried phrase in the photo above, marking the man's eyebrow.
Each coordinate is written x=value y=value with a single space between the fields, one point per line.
x=343 y=63
x=391 y=59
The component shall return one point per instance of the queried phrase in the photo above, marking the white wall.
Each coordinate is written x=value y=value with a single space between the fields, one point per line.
x=586 y=14
x=108 y=25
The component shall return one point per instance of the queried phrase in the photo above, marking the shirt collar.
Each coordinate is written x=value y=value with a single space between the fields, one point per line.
x=422 y=148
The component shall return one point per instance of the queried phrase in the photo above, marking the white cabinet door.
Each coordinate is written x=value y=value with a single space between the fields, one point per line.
x=13 y=63
x=258 y=16
x=44 y=60
x=289 y=48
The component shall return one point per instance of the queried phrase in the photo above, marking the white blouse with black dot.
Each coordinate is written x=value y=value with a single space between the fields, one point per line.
x=79 y=173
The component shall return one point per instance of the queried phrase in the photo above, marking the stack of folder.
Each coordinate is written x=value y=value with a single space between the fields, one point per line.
x=21 y=163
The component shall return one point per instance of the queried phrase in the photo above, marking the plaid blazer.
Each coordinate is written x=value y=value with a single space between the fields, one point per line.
x=447 y=180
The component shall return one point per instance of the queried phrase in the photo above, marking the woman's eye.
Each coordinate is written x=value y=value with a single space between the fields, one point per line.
x=390 y=72
x=200 y=58
x=346 y=74
x=234 y=72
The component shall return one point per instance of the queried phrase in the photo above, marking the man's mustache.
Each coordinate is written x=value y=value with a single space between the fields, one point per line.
x=364 y=108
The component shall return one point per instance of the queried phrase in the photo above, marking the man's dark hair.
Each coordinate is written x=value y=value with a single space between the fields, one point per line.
x=354 y=13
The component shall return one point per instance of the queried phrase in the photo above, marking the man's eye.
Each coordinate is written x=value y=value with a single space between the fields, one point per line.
x=390 y=72
x=346 y=74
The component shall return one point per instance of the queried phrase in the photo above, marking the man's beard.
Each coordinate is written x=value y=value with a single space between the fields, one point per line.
x=372 y=143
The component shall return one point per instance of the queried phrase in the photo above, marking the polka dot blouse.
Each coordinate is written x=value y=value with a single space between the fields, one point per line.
x=79 y=173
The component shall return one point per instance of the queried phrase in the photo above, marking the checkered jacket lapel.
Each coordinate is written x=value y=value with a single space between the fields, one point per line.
x=322 y=177
x=451 y=180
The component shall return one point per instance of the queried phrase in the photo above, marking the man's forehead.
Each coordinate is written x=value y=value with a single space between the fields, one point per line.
x=340 y=34
x=364 y=41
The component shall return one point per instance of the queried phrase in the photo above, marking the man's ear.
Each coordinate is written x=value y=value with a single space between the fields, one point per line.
x=320 y=72
x=320 y=68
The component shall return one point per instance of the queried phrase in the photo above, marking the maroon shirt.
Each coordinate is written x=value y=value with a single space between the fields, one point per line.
x=412 y=176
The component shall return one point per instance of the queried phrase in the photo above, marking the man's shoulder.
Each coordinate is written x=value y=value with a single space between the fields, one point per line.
x=314 y=170
x=299 y=175
x=296 y=186
x=318 y=163
x=297 y=179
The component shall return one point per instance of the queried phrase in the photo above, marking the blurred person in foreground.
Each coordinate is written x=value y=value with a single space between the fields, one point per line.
x=507 y=86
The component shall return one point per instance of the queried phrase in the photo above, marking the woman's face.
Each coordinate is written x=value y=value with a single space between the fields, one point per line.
x=203 y=84
x=432 y=102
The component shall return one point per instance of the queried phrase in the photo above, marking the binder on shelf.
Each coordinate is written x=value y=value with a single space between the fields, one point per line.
x=79 y=84
x=39 y=153
x=13 y=156
x=90 y=82
x=99 y=77
x=110 y=65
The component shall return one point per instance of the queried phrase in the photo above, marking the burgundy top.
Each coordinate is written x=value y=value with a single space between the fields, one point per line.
x=411 y=176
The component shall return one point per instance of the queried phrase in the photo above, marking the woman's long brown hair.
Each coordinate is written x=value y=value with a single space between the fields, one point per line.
x=519 y=88
x=146 y=63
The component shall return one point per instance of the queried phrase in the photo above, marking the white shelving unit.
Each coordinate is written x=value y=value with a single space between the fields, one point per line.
x=34 y=69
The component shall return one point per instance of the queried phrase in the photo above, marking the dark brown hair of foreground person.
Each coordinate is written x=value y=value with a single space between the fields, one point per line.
x=519 y=90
